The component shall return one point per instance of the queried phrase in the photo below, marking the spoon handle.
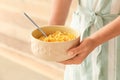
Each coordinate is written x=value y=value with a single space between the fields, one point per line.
x=36 y=25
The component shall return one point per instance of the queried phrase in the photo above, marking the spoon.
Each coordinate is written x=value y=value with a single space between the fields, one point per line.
x=36 y=25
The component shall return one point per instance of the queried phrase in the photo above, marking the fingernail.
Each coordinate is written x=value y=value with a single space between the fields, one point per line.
x=70 y=53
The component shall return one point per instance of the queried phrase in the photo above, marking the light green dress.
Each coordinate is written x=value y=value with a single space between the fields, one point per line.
x=104 y=62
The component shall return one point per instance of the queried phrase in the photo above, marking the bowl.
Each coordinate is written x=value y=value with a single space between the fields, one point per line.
x=53 y=51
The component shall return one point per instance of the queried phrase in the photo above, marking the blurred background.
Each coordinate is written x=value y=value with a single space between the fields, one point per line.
x=16 y=59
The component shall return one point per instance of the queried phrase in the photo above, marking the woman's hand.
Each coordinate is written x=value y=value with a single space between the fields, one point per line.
x=104 y=34
x=81 y=51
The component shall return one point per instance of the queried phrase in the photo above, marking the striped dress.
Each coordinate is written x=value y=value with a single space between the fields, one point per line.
x=103 y=63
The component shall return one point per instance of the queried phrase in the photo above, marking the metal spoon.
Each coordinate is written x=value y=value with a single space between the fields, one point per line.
x=36 y=25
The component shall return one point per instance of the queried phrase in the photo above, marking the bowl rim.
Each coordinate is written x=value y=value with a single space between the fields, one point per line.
x=77 y=37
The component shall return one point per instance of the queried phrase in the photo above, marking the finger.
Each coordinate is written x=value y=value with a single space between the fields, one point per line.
x=73 y=47
x=76 y=60
x=74 y=51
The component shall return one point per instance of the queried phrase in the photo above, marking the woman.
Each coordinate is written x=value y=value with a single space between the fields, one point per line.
x=98 y=21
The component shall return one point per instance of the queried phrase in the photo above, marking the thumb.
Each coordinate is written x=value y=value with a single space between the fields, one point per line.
x=73 y=51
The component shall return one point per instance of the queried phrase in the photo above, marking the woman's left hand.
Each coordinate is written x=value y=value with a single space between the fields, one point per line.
x=81 y=51
x=106 y=33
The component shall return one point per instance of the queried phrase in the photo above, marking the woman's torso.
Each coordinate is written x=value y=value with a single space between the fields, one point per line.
x=103 y=62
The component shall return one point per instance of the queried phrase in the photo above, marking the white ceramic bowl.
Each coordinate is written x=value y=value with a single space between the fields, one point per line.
x=53 y=51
